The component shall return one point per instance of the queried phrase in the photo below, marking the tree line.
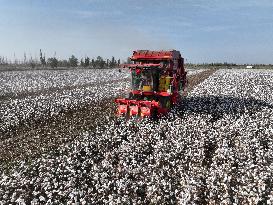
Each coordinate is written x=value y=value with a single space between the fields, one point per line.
x=73 y=61
x=91 y=63
x=225 y=64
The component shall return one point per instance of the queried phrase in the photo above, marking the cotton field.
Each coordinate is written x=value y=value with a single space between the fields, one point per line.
x=21 y=103
x=40 y=94
x=214 y=148
x=14 y=82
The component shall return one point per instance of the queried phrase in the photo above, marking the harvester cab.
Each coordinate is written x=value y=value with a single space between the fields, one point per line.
x=158 y=81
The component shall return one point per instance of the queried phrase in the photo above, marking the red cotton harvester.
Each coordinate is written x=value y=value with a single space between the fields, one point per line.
x=158 y=82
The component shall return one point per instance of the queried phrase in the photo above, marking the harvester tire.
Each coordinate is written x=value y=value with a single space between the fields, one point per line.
x=154 y=114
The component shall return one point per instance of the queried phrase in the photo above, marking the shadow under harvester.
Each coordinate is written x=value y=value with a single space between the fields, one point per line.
x=218 y=106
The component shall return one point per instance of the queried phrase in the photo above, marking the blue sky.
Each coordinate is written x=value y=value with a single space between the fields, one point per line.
x=239 y=31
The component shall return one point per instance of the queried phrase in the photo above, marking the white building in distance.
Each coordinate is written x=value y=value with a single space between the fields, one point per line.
x=249 y=66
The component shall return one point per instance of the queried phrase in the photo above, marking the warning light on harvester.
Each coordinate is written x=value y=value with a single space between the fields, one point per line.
x=138 y=71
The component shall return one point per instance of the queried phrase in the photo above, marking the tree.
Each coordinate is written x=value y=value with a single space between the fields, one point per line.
x=32 y=62
x=86 y=62
x=113 y=62
x=82 y=63
x=63 y=63
x=73 y=61
x=93 y=63
x=107 y=63
x=100 y=62
x=53 y=62
x=42 y=58
x=25 y=58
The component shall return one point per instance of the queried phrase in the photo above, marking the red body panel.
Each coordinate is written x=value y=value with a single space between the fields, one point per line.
x=146 y=54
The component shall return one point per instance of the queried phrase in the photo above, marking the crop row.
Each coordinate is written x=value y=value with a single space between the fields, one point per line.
x=18 y=111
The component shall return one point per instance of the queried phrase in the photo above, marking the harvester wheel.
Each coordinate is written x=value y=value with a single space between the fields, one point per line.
x=166 y=102
x=127 y=115
x=154 y=114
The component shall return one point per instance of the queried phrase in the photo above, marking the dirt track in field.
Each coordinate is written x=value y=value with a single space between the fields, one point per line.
x=30 y=140
x=194 y=80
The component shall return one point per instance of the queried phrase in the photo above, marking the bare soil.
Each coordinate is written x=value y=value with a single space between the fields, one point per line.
x=194 y=80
